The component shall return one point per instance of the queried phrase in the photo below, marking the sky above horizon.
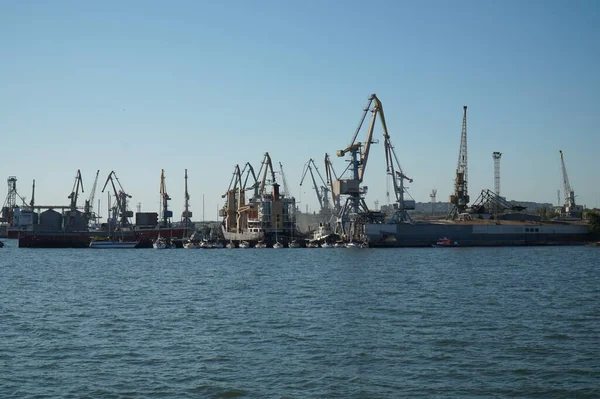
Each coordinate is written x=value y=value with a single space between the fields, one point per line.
x=141 y=86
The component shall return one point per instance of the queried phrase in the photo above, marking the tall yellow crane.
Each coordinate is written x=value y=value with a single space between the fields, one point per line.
x=460 y=198
x=349 y=218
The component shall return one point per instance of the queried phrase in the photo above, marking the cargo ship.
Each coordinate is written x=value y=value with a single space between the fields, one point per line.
x=82 y=239
x=476 y=233
x=267 y=216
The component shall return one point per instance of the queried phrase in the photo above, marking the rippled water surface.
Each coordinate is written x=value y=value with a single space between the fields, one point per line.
x=300 y=323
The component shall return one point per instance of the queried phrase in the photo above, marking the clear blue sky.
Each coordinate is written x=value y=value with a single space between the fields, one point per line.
x=138 y=86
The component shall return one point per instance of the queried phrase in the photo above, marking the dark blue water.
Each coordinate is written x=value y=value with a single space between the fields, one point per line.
x=300 y=323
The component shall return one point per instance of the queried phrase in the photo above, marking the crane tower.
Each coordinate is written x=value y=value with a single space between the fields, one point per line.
x=460 y=198
x=432 y=197
x=497 y=155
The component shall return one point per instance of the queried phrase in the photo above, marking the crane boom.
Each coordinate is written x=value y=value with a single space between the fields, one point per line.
x=32 y=202
x=308 y=168
x=361 y=163
x=89 y=203
x=286 y=191
x=568 y=191
x=331 y=177
x=164 y=197
x=266 y=165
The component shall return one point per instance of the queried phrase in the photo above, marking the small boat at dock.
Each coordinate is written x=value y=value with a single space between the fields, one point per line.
x=445 y=242
x=112 y=244
x=161 y=243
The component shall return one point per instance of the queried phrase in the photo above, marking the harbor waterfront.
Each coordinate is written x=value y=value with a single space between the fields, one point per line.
x=300 y=323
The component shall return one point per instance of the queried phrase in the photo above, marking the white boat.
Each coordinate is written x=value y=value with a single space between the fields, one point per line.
x=260 y=244
x=230 y=245
x=191 y=245
x=326 y=245
x=277 y=245
x=244 y=244
x=294 y=244
x=112 y=244
x=160 y=243
x=445 y=242
x=352 y=244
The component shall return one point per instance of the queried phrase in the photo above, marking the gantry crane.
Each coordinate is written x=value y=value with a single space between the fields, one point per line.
x=354 y=213
x=120 y=209
x=394 y=170
x=71 y=217
x=88 y=209
x=460 y=198
x=186 y=215
x=75 y=192
x=570 y=208
x=165 y=213
x=321 y=191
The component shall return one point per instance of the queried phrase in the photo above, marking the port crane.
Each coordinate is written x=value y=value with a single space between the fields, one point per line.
x=165 y=213
x=460 y=198
x=400 y=214
x=321 y=191
x=570 y=208
x=331 y=177
x=354 y=214
x=286 y=191
x=75 y=192
x=265 y=167
x=32 y=201
x=88 y=208
x=186 y=215
x=71 y=214
x=120 y=208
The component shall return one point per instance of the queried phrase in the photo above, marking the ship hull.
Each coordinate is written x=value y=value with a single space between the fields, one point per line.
x=54 y=240
x=427 y=234
x=82 y=239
